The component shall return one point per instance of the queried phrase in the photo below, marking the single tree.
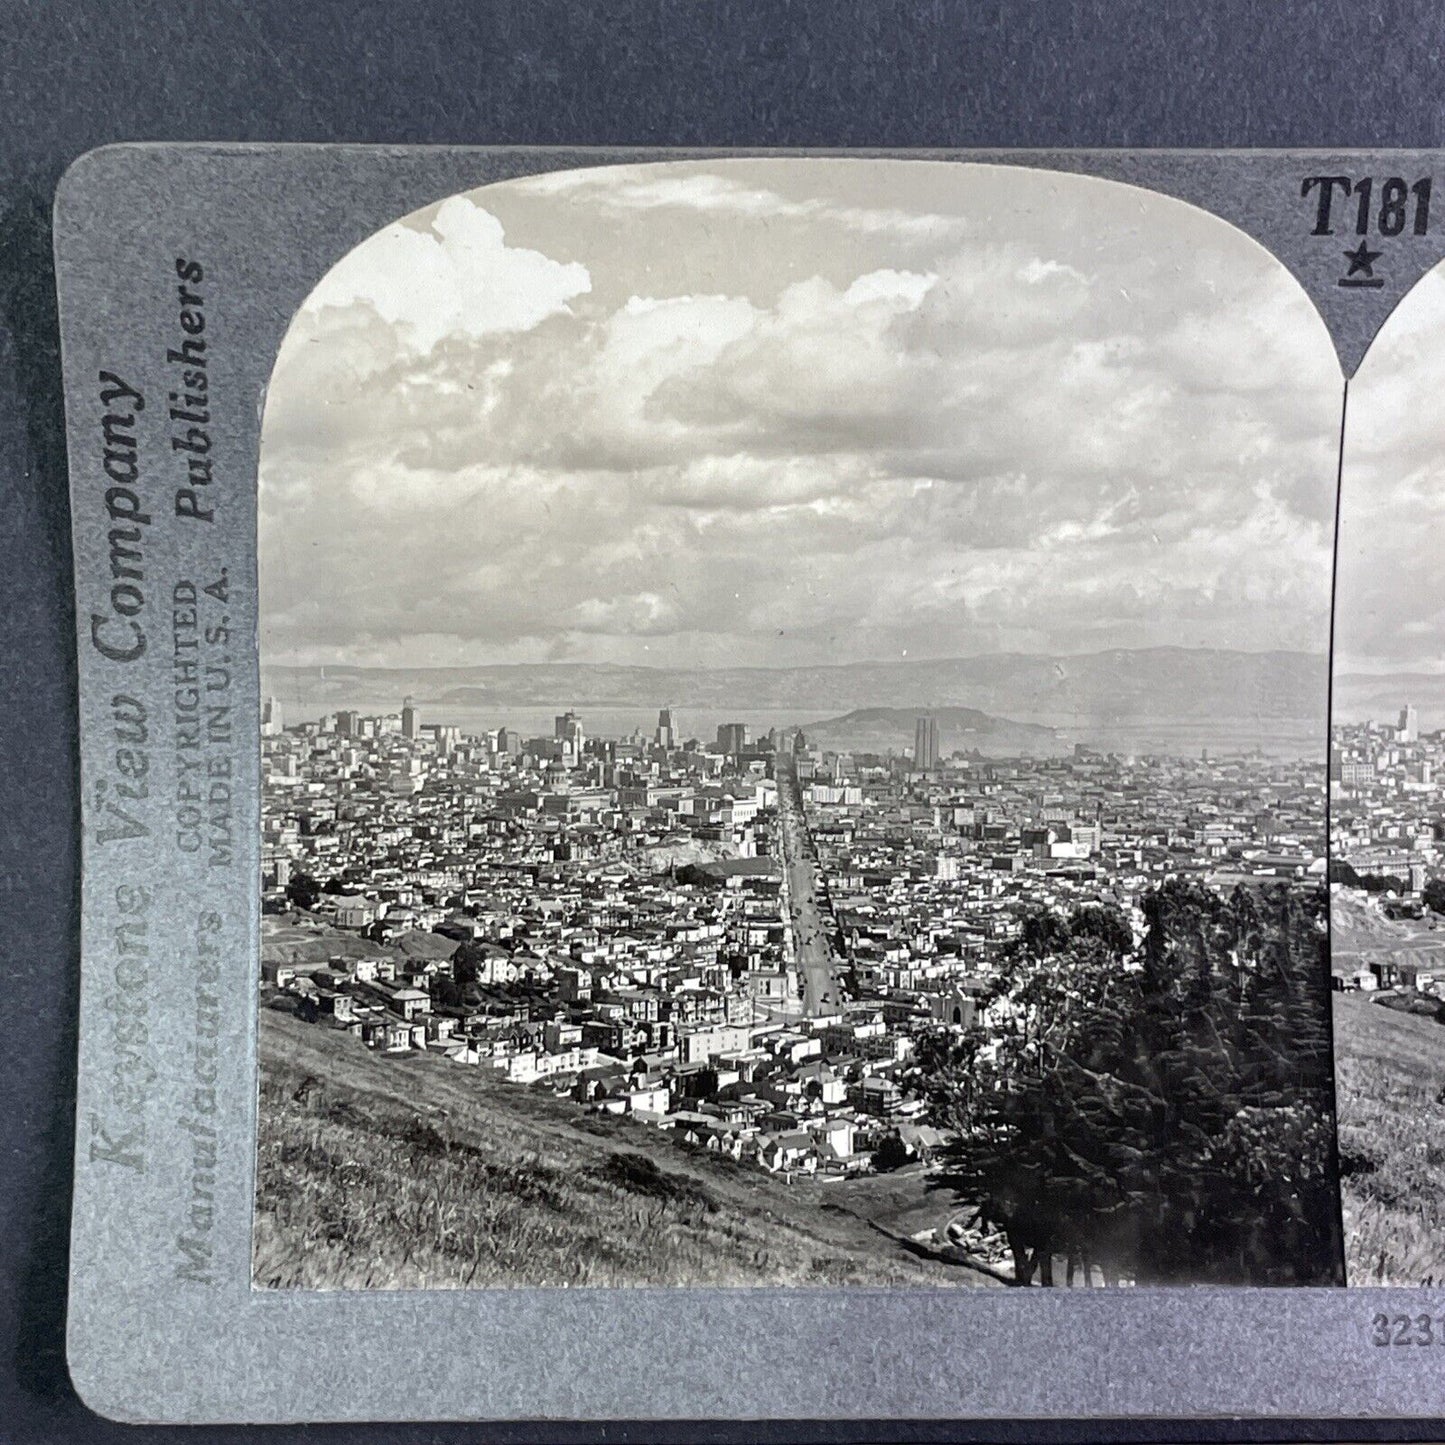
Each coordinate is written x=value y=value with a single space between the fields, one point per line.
x=303 y=891
x=467 y=963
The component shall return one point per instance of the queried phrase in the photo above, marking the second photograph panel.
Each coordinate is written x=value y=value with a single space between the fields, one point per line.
x=1387 y=763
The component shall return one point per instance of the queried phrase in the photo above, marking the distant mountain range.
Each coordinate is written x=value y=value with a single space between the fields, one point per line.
x=1365 y=697
x=960 y=729
x=1168 y=686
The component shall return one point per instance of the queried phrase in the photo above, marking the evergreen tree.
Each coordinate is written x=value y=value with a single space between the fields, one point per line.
x=1161 y=1112
x=303 y=891
x=1434 y=895
x=467 y=962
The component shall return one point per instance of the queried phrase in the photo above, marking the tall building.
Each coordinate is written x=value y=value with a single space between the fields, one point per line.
x=1409 y=730
x=925 y=744
x=271 y=724
x=666 y=735
x=567 y=729
x=732 y=738
x=410 y=723
x=348 y=724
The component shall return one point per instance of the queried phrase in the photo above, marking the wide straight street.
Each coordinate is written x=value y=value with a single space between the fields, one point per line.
x=810 y=915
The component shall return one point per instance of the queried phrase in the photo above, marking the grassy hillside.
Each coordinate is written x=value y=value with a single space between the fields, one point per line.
x=413 y=1172
x=1390 y=1068
x=297 y=937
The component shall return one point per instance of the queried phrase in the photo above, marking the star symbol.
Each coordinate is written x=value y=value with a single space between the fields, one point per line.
x=1362 y=259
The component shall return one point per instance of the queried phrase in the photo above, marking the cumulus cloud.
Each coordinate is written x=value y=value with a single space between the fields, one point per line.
x=1390 y=609
x=1075 y=416
x=631 y=190
x=454 y=277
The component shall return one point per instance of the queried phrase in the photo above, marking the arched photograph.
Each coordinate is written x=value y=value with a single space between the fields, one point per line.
x=1387 y=761
x=796 y=706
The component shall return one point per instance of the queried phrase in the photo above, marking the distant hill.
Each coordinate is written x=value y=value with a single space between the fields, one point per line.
x=960 y=729
x=1366 y=697
x=1088 y=692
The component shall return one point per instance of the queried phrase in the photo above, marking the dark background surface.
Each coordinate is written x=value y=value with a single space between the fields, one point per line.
x=79 y=73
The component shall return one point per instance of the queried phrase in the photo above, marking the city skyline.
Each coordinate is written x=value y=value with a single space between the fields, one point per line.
x=751 y=949
x=827 y=412
x=571 y=730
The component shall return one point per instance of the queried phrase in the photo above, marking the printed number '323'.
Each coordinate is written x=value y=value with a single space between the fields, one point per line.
x=1407 y=1330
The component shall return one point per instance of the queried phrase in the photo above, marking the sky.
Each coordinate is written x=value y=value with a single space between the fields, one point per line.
x=797 y=411
x=1390 y=614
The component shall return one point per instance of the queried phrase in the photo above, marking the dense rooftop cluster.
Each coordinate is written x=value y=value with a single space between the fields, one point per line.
x=1387 y=851
x=1387 y=816
x=632 y=921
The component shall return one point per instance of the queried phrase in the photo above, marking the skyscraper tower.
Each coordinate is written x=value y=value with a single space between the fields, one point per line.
x=409 y=720
x=732 y=738
x=666 y=736
x=925 y=744
x=1409 y=731
x=568 y=731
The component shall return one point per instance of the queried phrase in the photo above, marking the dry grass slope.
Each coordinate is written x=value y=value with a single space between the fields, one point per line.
x=1390 y=1068
x=378 y=1173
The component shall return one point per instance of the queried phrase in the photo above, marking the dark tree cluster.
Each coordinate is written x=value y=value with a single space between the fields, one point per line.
x=1434 y=895
x=453 y=989
x=1160 y=1112
x=303 y=891
x=1342 y=872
